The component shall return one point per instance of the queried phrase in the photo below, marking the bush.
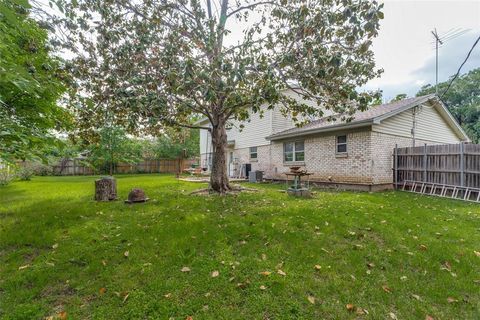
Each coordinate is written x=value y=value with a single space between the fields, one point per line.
x=25 y=174
x=6 y=175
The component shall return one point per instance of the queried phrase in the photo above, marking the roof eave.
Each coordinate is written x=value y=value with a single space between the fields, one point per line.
x=379 y=119
x=350 y=125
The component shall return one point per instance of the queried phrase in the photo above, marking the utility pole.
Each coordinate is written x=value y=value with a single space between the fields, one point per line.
x=437 y=41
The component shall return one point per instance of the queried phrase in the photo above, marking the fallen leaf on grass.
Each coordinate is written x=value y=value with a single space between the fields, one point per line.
x=126 y=254
x=55 y=246
x=104 y=262
x=477 y=253
x=350 y=307
x=416 y=296
x=386 y=289
x=423 y=247
x=126 y=297
x=311 y=299
x=189 y=318
x=62 y=315
x=317 y=267
x=451 y=300
x=281 y=272
x=265 y=273
x=185 y=269
x=102 y=290
x=446 y=266
x=168 y=295
x=361 y=311
x=215 y=274
x=427 y=317
x=264 y=256
x=262 y=287
x=24 y=267
x=370 y=265
x=392 y=316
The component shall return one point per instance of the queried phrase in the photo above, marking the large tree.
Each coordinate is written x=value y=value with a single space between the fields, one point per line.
x=462 y=98
x=151 y=63
x=31 y=83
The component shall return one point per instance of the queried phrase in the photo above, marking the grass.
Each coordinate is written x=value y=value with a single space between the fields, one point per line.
x=389 y=254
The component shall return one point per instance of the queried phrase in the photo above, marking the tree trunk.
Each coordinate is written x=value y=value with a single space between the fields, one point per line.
x=106 y=189
x=218 y=177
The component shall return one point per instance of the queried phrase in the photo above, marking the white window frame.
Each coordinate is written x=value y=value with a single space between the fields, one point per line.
x=341 y=144
x=253 y=152
x=294 y=151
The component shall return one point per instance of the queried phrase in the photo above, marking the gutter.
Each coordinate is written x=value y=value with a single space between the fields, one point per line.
x=350 y=125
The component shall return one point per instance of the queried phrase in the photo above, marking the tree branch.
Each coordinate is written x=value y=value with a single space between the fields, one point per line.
x=250 y=7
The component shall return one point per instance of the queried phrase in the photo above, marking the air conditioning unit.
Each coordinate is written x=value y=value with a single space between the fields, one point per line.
x=255 y=176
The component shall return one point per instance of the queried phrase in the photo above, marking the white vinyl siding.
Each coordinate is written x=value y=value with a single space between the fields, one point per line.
x=281 y=123
x=205 y=142
x=430 y=126
x=254 y=131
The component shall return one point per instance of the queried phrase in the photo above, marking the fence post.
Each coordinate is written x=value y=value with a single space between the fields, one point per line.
x=462 y=165
x=395 y=167
x=425 y=162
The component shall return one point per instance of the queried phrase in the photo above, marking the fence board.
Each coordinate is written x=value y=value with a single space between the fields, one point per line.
x=452 y=164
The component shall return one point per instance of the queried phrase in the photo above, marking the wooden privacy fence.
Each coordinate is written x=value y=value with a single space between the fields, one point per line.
x=78 y=166
x=450 y=164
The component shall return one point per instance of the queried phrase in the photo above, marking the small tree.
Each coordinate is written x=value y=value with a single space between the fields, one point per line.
x=158 y=62
x=113 y=147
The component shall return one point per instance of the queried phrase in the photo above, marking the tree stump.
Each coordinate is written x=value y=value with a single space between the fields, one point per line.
x=106 y=189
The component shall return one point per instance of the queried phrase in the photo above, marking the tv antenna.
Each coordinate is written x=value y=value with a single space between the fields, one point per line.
x=439 y=41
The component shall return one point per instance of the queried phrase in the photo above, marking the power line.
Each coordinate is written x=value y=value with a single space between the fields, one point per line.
x=460 y=68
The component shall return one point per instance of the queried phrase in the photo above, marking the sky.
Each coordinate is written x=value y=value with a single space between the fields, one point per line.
x=405 y=48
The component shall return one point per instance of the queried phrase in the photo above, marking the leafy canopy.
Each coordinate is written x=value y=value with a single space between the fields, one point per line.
x=155 y=63
x=31 y=83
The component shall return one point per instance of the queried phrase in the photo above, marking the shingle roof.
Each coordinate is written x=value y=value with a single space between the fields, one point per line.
x=359 y=118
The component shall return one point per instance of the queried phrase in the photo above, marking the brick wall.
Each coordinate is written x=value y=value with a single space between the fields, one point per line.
x=262 y=163
x=382 y=154
x=368 y=161
x=322 y=161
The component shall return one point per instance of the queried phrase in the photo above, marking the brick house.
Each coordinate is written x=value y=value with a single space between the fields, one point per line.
x=355 y=154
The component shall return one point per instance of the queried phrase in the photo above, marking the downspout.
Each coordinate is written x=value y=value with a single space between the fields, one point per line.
x=414 y=125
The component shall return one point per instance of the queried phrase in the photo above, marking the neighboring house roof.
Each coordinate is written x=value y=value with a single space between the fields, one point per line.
x=372 y=116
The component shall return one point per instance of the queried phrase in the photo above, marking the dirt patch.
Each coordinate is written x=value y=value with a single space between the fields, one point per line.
x=236 y=189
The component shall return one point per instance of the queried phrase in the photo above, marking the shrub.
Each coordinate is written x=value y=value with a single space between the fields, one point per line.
x=25 y=174
x=6 y=175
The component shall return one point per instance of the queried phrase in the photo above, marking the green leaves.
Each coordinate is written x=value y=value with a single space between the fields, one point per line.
x=31 y=82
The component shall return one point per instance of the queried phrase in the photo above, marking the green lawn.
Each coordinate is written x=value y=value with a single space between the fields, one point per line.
x=389 y=254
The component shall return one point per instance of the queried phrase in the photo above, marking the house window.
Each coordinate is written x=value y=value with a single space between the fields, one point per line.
x=253 y=153
x=342 y=144
x=294 y=151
